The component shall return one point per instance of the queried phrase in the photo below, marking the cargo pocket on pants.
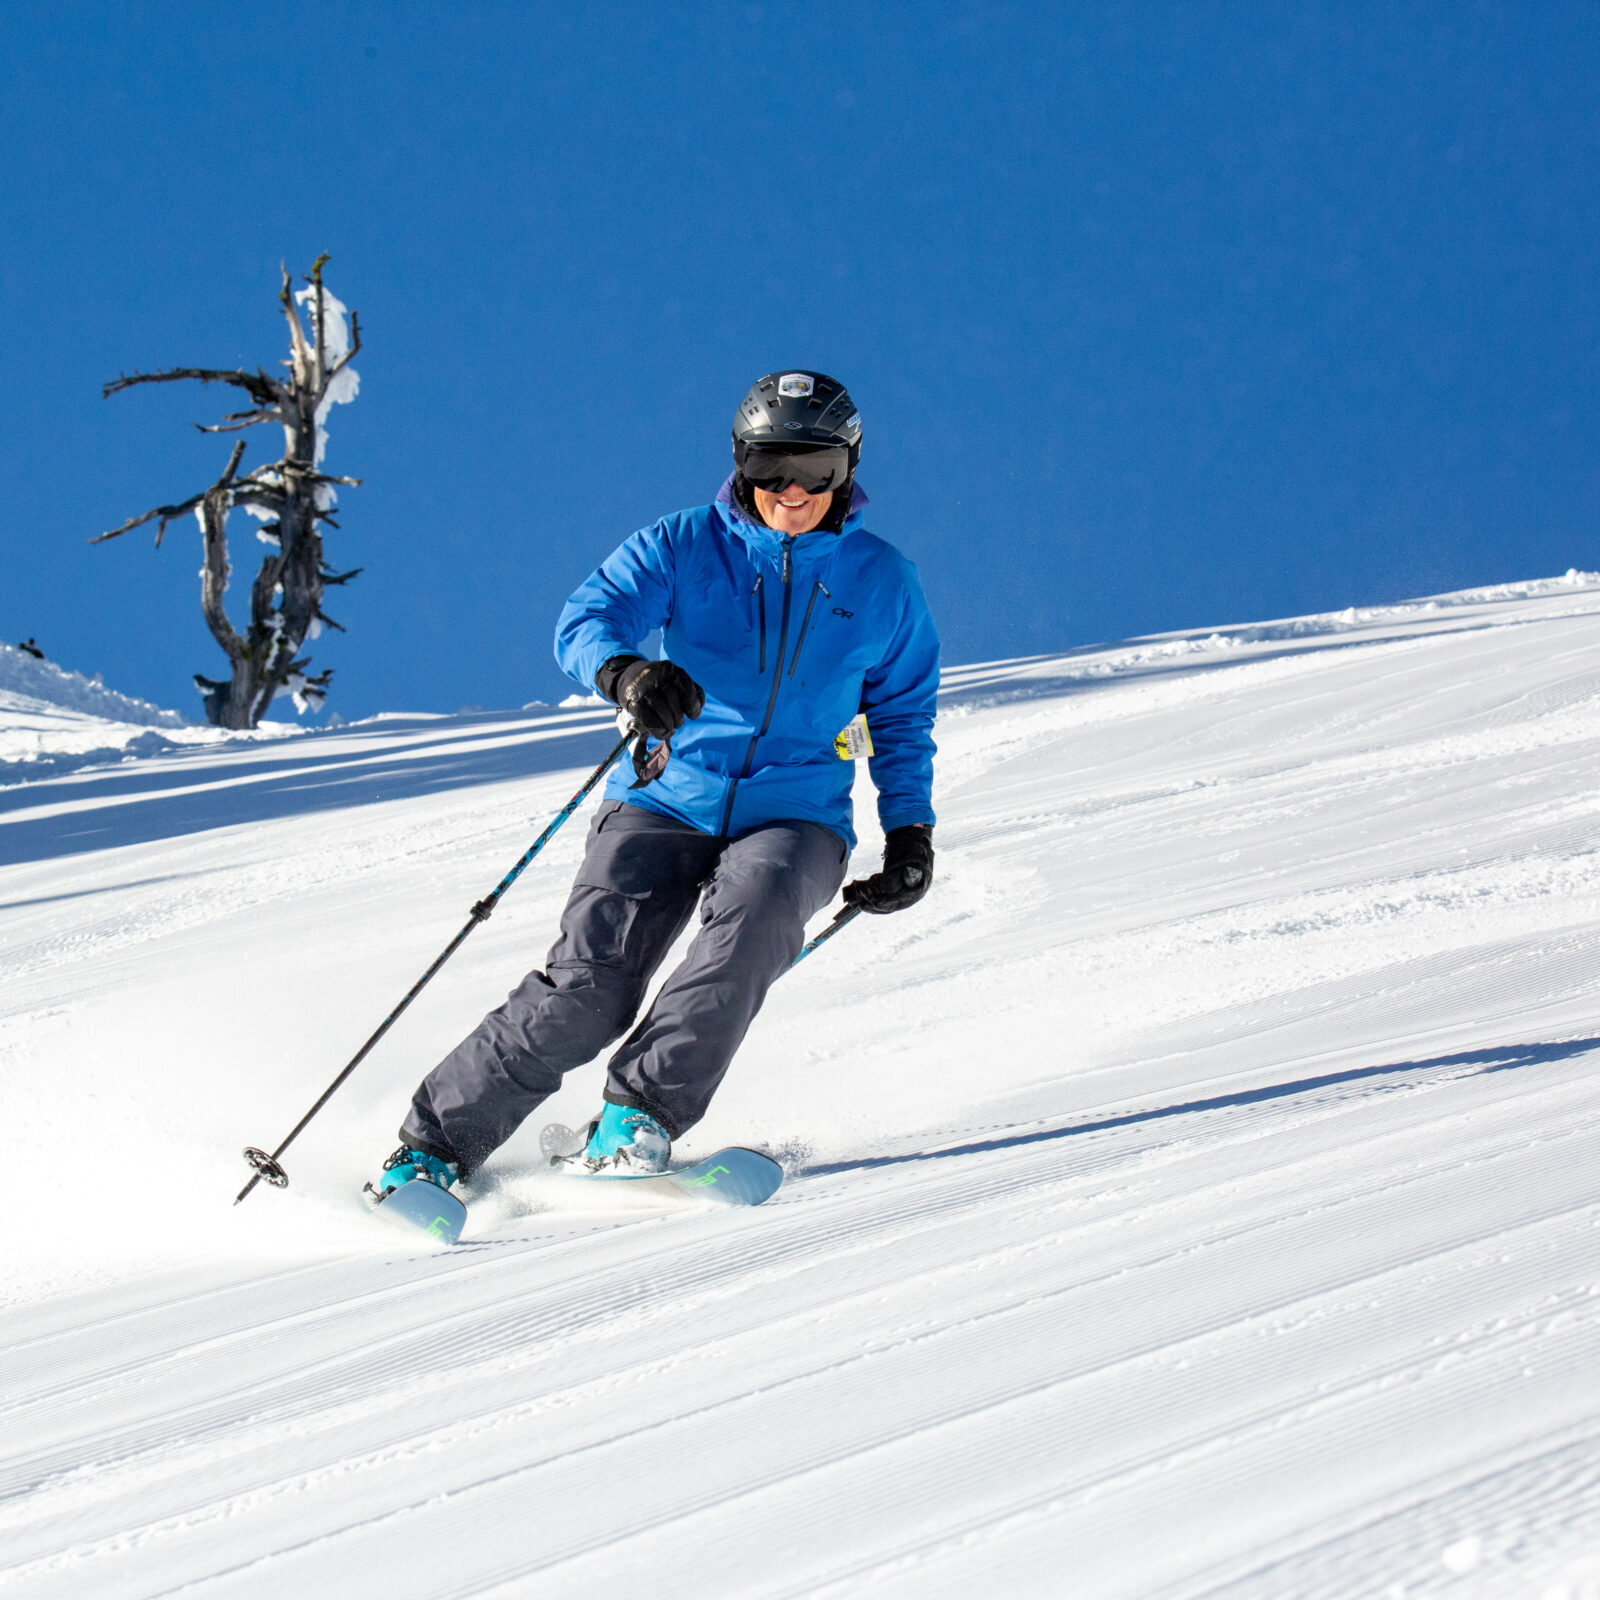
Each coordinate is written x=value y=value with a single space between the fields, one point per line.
x=608 y=898
x=595 y=927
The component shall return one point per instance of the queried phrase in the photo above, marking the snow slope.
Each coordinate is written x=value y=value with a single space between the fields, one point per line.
x=1195 y=1196
x=53 y=720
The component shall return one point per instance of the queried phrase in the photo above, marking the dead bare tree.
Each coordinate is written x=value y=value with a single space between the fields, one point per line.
x=292 y=497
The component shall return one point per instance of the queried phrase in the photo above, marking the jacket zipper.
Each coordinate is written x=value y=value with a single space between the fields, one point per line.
x=805 y=622
x=761 y=607
x=772 y=699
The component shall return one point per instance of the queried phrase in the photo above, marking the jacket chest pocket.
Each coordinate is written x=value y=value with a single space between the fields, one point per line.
x=819 y=591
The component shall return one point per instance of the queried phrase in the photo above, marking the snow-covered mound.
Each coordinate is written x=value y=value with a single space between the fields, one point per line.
x=53 y=720
x=26 y=679
x=1194 y=1196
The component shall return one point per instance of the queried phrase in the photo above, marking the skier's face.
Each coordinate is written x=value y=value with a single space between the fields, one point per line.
x=792 y=510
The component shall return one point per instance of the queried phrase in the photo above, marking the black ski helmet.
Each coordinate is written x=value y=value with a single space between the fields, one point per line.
x=797 y=408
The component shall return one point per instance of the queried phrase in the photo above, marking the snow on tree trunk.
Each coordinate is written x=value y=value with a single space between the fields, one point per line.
x=293 y=499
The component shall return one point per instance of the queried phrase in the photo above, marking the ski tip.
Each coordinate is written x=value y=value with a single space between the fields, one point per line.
x=423 y=1207
x=737 y=1176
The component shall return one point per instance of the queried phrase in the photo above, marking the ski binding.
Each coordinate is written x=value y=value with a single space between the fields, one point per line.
x=735 y=1176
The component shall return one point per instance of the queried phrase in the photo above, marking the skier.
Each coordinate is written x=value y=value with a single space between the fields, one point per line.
x=783 y=621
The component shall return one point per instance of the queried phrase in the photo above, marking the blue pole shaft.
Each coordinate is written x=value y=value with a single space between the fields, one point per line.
x=848 y=914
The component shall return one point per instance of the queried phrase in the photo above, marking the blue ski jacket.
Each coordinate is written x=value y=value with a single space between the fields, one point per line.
x=791 y=637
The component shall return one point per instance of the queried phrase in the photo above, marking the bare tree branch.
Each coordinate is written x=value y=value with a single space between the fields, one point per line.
x=267 y=499
x=172 y=513
x=214 y=575
x=166 y=513
x=321 y=320
x=235 y=421
x=355 y=344
x=299 y=354
x=262 y=389
x=234 y=427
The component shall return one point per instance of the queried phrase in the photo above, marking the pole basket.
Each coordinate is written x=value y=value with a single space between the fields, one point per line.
x=266 y=1167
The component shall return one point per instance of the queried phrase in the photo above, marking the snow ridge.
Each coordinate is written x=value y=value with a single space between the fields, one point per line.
x=28 y=683
x=53 y=722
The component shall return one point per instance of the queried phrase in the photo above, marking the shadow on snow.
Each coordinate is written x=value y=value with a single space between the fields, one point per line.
x=190 y=790
x=982 y=687
x=1504 y=1059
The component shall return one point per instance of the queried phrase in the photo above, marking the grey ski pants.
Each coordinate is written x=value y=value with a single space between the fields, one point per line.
x=641 y=878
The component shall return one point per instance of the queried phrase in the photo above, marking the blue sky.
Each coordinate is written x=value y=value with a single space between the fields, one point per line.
x=1158 y=315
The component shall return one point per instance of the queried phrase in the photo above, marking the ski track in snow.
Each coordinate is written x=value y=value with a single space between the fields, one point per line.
x=1193 y=1198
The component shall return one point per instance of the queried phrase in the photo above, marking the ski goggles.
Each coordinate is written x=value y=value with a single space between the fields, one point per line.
x=814 y=471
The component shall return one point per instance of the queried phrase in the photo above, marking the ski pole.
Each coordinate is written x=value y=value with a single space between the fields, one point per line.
x=849 y=913
x=267 y=1166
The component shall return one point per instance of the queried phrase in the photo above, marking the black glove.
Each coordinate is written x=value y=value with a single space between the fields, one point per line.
x=907 y=872
x=658 y=695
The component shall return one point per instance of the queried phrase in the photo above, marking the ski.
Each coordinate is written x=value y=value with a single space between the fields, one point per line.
x=422 y=1206
x=735 y=1176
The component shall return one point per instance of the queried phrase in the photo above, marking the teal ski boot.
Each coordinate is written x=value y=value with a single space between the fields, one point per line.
x=624 y=1142
x=406 y=1164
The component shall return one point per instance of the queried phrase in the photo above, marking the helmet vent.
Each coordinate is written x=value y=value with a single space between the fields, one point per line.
x=798 y=408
